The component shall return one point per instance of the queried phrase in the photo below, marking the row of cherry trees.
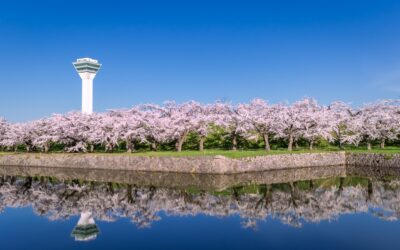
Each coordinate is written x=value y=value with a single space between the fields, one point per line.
x=172 y=123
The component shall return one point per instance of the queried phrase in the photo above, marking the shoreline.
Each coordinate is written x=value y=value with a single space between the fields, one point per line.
x=199 y=164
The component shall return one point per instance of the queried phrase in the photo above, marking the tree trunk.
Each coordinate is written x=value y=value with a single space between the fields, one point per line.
x=382 y=143
x=311 y=145
x=266 y=142
x=179 y=145
x=46 y=147
x=341 y=182
x=290 y=146
x=129 y=194
x=370 y=190
x=153 y=146
x=130 y=146
x=340 y=140
x=91 y=148
x=201 y=143
x=234 y=142
x=110 y=147
x=369 y=146
x=293 y=194
x=180 y=142
x=296 y=145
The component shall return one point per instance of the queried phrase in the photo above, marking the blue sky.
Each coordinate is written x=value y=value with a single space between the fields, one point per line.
x=154 y=51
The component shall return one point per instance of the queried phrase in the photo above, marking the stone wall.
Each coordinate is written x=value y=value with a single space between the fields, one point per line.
x=373 y=160
x=204 y=164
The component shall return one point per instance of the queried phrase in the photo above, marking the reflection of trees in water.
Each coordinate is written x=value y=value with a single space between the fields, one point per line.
x=292 y=203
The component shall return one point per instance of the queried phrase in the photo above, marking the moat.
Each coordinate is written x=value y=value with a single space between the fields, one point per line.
x=342 y=207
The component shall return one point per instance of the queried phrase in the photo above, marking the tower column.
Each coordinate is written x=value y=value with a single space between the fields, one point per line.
x=87 y=93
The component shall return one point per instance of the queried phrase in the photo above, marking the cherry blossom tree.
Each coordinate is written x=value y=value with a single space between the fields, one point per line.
x=129 y=126
x=261 y=116
x=43 y=134
x=396 y=115
x=181 y=119
x=228 y=116
x=156 y=129
x=19 y=134
x=364 y=125
x=314 y=121
x=202 y=121
x=340 y=115
x=4 y=127
x=109 y=133
x=172 y=122
x=92 y=135
x=387 y=114
x=376 y=121
x=10 y=137
x=289 y=121
x=75 y=130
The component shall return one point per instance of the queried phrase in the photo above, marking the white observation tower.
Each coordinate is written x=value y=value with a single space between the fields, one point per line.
x=87 y=69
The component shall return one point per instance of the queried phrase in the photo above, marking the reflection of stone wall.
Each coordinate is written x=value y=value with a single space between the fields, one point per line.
x=205 y=164
x=211 y=182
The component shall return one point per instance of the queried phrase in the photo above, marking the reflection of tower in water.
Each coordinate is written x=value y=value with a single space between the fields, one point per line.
x=86 y=229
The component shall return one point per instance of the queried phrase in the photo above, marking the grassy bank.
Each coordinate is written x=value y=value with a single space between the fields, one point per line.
x=236 y=154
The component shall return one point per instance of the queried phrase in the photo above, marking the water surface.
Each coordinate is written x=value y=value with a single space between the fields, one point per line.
x=308 y=208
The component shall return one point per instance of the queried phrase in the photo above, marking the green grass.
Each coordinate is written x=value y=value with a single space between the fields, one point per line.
x=253 y=153
x=387 y=150
x=234 y=154
x=226 y=153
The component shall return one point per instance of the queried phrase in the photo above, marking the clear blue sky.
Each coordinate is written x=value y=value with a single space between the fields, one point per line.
x=154 y=51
